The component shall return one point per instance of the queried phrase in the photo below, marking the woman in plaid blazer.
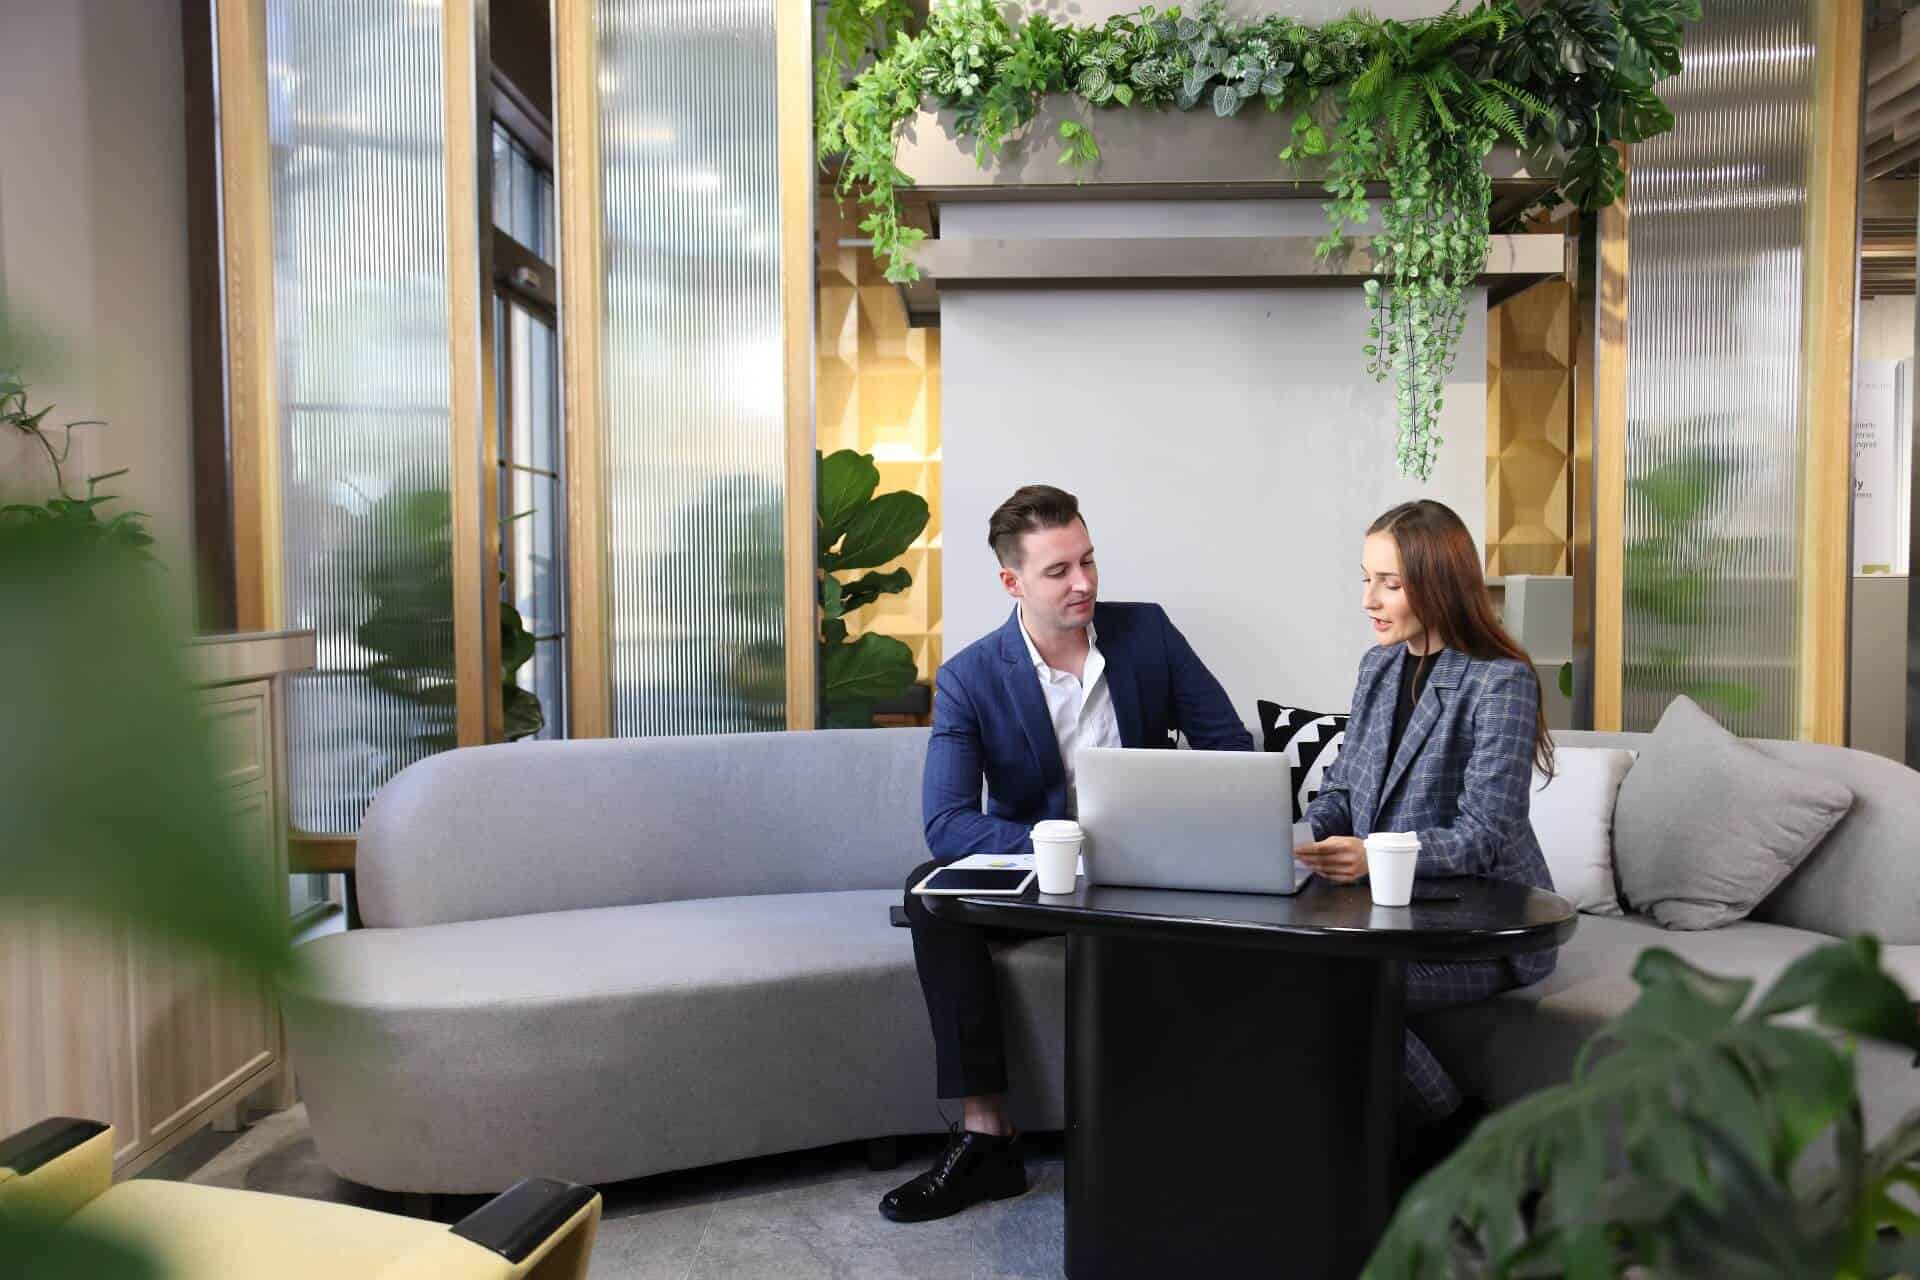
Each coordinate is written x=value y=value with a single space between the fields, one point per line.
x=1445 y=733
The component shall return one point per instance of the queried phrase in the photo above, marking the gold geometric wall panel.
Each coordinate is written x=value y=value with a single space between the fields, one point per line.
x=877 y=389
x=1530 y=432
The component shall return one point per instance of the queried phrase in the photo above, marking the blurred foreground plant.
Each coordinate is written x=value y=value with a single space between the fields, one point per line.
x=1676 y=1147
x=108 y=805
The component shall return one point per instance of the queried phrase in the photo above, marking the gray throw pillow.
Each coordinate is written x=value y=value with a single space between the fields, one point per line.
x=1706 y=826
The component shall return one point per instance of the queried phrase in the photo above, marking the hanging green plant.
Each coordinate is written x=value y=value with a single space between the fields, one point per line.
x=1414 y=106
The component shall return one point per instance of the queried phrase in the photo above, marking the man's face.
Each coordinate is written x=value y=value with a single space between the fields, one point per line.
x=1055 y=582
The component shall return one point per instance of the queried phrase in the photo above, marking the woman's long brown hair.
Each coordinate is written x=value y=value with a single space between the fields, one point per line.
x=1440 y=572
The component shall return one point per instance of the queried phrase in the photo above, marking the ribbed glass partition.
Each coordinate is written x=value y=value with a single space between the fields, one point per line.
x=1714 y=422
x=693 y=413
x=360 y=285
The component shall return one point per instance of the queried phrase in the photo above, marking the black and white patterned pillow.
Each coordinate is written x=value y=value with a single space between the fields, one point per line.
x=1310 y=740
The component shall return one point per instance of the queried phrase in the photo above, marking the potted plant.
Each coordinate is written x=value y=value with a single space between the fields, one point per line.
x=1678 y=1148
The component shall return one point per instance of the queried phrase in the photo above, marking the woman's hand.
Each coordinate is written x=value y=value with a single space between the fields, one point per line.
x=1341 y=859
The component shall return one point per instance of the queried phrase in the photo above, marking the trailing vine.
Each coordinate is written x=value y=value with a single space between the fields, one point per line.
x=1412 y=106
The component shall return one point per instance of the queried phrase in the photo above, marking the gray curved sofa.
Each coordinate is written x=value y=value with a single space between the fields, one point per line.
x=1863 y=878
x=600 y=960
x=604 y=959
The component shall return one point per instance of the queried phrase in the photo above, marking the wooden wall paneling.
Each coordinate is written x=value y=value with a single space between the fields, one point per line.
x=1827 y=349
x=212 y=471
x=474 y=465
x=793 y=37
x=201 y=1030
x=1610 y=457
x=259 y=565
x=577 y=179
x=65 y=1013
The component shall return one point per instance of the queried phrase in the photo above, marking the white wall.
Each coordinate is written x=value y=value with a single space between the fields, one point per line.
x=1227 y=445
x=93 y=243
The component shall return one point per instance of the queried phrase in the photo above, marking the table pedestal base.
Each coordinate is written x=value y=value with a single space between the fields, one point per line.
x=1230 y=1109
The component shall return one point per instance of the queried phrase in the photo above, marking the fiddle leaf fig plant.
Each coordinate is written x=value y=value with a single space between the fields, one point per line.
x=1412 y=107
x=409 y=629
x=859 y=530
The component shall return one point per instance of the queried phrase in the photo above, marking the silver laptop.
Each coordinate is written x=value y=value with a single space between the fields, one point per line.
x=1219 y=820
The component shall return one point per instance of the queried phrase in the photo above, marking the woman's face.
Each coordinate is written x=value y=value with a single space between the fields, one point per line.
x=1384 y=595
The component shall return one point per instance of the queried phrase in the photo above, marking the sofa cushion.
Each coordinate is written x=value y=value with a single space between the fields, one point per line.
x=1707 y=826
x=616 y=1042
x=1311 y=742
x=524 y=827
x=1527 y=1039
x=1864 y=877
x=1572 y=819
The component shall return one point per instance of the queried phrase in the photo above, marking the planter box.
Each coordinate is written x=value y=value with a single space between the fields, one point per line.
x=1145 y=154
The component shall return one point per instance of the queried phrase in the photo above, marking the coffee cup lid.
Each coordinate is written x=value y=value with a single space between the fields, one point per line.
x=1393 y=840
x=1057 y=828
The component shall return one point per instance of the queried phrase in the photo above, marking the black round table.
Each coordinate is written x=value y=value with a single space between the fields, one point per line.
x=1233 y=1063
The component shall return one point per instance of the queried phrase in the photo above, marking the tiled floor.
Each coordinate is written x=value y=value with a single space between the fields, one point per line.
x=803 y=1215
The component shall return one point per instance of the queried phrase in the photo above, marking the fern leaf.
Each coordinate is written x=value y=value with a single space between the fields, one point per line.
x=1406 y=110
x=1499 y=113
x=1372 y=81
x=1440 y=111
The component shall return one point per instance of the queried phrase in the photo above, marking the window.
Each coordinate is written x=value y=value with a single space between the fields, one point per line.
x=533 y=483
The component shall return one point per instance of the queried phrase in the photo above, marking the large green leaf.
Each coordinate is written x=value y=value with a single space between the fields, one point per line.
x=522 y=713
x=1748 y=1228
x=873 y=668
x=847 y=479
x=880 y=531
x=1650 y=38
x=849 y=715
x=868 y=587
x=1593 y=178
x=1637 y=115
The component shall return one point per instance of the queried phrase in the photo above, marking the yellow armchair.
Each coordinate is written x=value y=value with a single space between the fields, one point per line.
x=61 y=1170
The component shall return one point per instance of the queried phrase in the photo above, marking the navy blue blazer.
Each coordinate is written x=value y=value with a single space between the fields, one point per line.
x=990 y=720
x=1461 y=777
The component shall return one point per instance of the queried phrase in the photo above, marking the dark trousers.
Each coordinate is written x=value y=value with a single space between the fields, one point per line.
x=1428 y=1089
x=962 y=994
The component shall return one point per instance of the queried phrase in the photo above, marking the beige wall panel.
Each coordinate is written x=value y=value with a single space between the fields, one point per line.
x=1530 y=432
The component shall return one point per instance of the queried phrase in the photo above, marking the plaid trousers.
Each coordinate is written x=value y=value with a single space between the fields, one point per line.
x=1429 y=1090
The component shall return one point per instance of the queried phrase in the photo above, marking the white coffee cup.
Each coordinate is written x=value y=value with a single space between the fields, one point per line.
x=1391 y=857
x=1056 y=853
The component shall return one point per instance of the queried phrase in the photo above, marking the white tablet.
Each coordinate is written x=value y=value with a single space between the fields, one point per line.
x=1009 y=881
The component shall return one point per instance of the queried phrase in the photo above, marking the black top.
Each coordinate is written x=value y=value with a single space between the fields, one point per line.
x=1414 y=671
x=1490 y=919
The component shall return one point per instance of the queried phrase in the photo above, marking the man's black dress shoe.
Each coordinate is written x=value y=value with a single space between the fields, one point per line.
x=972 y=1168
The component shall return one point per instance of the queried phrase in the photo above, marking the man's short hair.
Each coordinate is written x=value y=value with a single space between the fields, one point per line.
x=1032 y=507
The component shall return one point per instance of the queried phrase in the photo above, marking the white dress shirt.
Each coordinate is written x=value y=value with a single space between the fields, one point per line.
x=1081 y=709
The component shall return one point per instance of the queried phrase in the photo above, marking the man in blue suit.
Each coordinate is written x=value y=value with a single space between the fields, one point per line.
x=1012 y=709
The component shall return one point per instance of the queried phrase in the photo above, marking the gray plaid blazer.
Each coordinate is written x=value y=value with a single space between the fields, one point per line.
x=1460 y=778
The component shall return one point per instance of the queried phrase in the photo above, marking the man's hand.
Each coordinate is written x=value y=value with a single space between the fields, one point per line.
x=1341 y=859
